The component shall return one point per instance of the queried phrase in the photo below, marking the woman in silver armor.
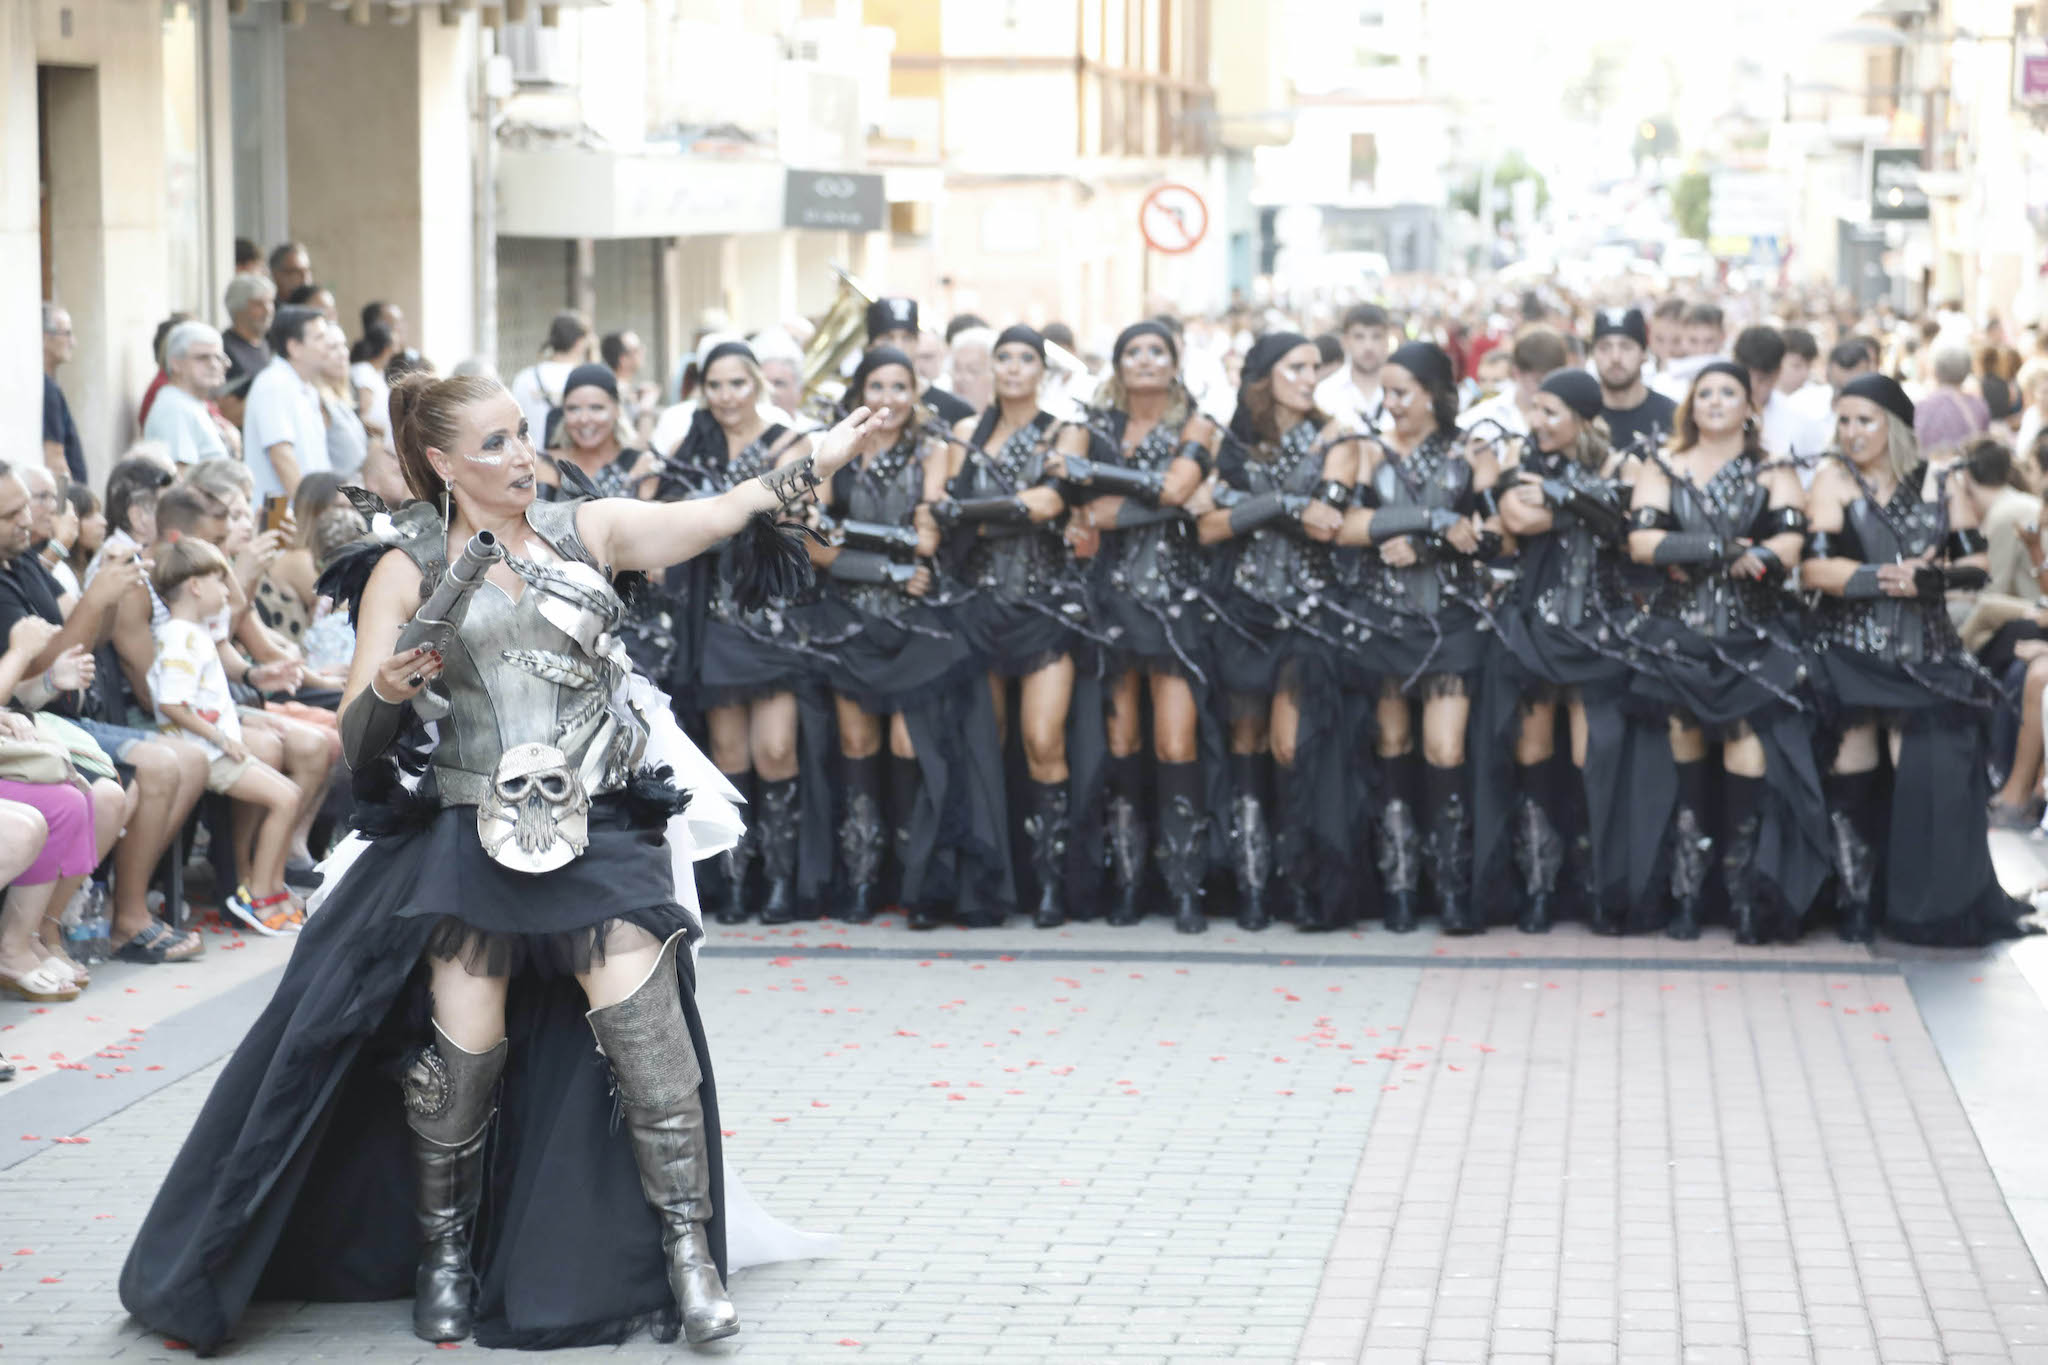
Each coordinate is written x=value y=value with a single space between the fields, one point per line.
x=750 y=665
x=1564 y=500
x=1891 y=537
x=1149 y=573
x=900 y=672
x=1716 y=662
x=1423 y=507
x=1287 y=477
x=1020 y=605
x=531 y=847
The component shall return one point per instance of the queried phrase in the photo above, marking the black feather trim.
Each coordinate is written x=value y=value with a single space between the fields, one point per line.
x=385 y=807
x=347 y=575
x=366 y=503
x=769 y=563
x=652 y=799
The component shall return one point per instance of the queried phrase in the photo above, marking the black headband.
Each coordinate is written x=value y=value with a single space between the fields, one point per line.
x=1021 y=335
x=880 y=358
x=1578 y=391
x=1728 y=367
x=1882 y=390
x=724 y=349
x=591 y=376
x=1266 y=352
x=1427 y=362
x=1148 y=328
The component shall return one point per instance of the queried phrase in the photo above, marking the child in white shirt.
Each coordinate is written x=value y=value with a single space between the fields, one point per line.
x=190 y=690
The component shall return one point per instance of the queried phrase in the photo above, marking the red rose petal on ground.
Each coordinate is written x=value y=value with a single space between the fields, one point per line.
x=1341 y=1089
x=848 y=1341
x=152 y=1068
x=25 y=1251
x=170 y=1345
x=956 y=1097
x=31 y=1137
x=1283 y=1092
x=725 y=1132
x=819 y=1104
x=53 y=1279
x=784 y=1119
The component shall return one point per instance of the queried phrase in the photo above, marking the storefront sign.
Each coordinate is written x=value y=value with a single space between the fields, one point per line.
x=1895 y=192
x=834 y=201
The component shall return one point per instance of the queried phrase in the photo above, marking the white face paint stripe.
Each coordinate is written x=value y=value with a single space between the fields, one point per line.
x=487 y=461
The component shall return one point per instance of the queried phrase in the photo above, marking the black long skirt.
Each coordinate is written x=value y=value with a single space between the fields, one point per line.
x=297 y=1182
x=1534 y=659
x=1938 y=886
x=1757 y=681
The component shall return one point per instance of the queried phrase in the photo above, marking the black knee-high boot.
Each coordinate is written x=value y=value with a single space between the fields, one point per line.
x=863 y=839
x=1538 y=847
x=646 y=1038
x=1855 y=820
x=1183 y=843
x=1450 y=847
x=722 y=885
x=1400 y=841
x=1125 y=838
x=1251 y=836
x=450 y=1095
x=905 y=777
x=1740 y=820
x=1046 y=830
x=779 y=816
x=1691 y=851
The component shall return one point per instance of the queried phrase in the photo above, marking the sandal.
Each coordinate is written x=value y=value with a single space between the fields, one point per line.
x=68 y=971
x=41 y=986
x=184 y=947
x=149 y=946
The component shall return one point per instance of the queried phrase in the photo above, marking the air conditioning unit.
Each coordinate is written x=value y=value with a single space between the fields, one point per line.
x=540 y=55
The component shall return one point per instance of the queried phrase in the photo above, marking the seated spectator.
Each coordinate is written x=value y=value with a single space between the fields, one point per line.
x=92 y=529
x=184 y=417
x=284 y=594
x=330 y=642
x=158 y=780
x=190 y=692
x=57 y=529
x=303 y=742
x=132 y=489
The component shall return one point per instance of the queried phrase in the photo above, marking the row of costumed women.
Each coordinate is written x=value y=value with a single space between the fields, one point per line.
x=1144 y=663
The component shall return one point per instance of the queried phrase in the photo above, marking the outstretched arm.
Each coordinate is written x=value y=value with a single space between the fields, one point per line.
x=627 y=534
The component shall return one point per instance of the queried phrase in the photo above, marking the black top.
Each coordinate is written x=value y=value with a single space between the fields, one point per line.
x=1652 y=419
x=60 y=429
x=949 y=406
x=27 y=589
x=244 y=357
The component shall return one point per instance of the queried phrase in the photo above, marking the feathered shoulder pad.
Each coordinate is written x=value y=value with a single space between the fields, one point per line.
x=416 y=528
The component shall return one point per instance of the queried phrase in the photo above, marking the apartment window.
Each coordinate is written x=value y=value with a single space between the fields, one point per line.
x=1365 y=161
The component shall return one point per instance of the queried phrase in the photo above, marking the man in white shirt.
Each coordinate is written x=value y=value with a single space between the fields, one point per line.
x=1537 y=354
x=1353 y=393
x=1701 y=339
x=196 y=362
x=284 y=431
x=1785 y=427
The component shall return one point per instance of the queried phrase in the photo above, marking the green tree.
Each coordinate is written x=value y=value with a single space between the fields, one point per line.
x=1691 y=201
x=1512 y=166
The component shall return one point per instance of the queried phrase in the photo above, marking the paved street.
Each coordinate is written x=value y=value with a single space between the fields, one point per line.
x=1129 y=1145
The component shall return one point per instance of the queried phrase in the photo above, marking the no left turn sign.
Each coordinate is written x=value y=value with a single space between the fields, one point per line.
x=1174 y=219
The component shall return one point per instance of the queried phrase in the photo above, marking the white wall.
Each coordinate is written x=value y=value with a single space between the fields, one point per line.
x=21 y=336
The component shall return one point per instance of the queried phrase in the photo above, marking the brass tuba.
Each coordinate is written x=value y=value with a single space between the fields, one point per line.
x=840 y=331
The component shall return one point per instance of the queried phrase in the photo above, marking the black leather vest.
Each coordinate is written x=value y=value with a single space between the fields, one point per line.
x=882 y=488
x=1274 y=566
x=1728 y=506
x=752 y=462
x=1568 y=573
x=1160 y=560
x=1434 y=474
x=1891 y=627
x=1018 y=559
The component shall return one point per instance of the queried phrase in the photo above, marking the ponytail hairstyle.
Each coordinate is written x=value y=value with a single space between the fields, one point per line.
x=426 y=414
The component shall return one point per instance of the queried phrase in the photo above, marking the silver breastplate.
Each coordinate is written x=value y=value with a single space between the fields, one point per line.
x=536 y=725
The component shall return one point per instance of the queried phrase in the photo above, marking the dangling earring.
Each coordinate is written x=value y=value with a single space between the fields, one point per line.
x=447 y=491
